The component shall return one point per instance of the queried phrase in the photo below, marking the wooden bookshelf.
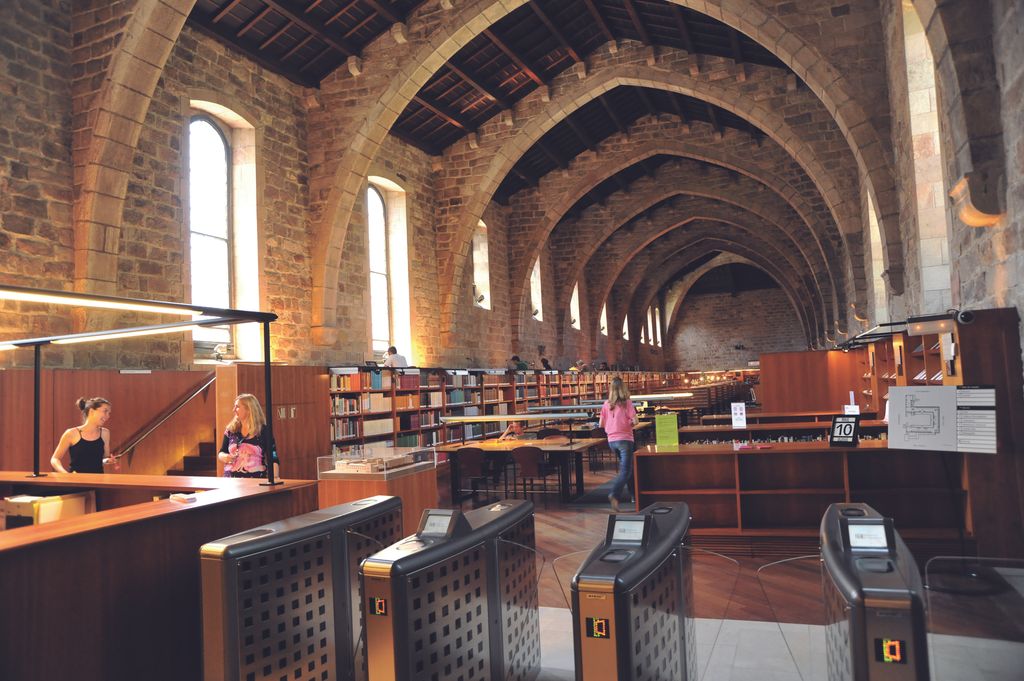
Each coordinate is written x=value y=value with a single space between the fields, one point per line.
x=404 y=406
x=786 y=488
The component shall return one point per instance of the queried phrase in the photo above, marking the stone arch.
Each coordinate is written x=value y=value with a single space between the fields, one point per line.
x=114 y=119
x=645 y=258
x=684 y=286
x=702 y=244
x=959 y=33
x=751 y=228
x=755 y=22
x=607 y=224
x=822 y=253
x=842 y=207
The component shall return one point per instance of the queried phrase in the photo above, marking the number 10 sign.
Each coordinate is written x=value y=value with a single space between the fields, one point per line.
x=844 y=431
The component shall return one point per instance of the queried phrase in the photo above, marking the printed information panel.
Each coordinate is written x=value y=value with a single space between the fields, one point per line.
x=943 y=418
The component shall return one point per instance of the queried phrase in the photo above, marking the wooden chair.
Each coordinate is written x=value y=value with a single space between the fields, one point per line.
x=531 y=466
x=472 y=464
x=597 y=456
x=545 y=433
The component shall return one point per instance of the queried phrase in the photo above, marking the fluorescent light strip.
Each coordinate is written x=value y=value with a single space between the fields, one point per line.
x=7 y=346
x=54 y=299
x=123 y=334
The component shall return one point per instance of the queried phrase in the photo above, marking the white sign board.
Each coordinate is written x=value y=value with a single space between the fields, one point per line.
x=739 y=415
x=851 y=409
x=943 y=418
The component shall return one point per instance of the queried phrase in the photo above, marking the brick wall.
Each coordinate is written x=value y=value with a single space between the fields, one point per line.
x=711 y=325
x=36 y=234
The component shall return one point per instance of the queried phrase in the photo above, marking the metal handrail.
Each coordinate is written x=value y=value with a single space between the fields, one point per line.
x=145 y=432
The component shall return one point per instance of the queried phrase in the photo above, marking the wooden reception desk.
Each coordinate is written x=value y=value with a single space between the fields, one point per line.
x=115 y=594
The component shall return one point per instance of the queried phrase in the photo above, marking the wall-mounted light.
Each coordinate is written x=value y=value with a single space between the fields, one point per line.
x=536 y=312
x=480 y=298
x=929 y=324
x=572 y=321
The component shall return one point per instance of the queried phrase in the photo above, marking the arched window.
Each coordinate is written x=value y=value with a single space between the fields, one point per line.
x=574 y=307
x=625 y=328
x=481 y=269
x=388 y=245
x=657 y=326
x=536 y=300
x=650 y=326
x=223 y=252
x=604 y=319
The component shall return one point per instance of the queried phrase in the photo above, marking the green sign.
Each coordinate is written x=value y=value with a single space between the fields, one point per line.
x=666 y=429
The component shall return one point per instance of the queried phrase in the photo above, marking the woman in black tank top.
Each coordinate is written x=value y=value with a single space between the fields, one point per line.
x=88 y=444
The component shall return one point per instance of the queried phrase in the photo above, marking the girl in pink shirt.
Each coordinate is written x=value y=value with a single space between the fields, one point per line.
x=618 y=416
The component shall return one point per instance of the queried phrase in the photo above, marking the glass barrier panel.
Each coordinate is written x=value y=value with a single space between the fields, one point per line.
x=792 y=645
x=975 y=614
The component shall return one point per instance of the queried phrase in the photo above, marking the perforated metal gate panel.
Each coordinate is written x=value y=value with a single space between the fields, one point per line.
x=654 y=624
x=385 y=529
x=689 y=621
x=286 y=613
x=520 y=617
x=837 y=632
x=447 y=620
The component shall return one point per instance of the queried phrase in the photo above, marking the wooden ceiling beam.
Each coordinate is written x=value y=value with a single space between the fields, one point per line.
x=252 y=22
x=272 y=65
x=382 y=10
x=341 y=12
x=648 y=104
x=734 y=43
x=599 y=20
x=677 y=106
x=713 y=115
x=276 y=34
x=337 y=44
x=683 y=27
x=529 y=180
x=224 y=11
x=516 y=59
x=610 y=110
x=559 y=36
x=439 y=109
x=298 y=46
x=477 y=85
x=638 y=23
x=582 y=134
x=551 y=154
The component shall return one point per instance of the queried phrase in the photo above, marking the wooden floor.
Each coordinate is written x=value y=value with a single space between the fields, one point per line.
x=724 y=586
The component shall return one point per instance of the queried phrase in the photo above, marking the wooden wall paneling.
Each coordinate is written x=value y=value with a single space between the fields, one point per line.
x=16 y=390
x=136 y=399
x=301 y=411
x=811 y=380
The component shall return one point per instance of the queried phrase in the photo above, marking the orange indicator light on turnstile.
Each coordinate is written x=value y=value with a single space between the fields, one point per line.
x=598 y=627
x=890 y=651
x=378 y=606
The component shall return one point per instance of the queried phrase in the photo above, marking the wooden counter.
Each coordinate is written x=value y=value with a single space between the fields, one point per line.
x=726 y=432
x=116 y=594
x=416 y=485
x=783 y=488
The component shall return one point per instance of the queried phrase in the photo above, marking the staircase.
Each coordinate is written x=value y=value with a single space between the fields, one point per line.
x=203 y=464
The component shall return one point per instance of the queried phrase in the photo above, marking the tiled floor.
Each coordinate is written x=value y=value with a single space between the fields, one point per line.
x=736 y=650
x=727 y=650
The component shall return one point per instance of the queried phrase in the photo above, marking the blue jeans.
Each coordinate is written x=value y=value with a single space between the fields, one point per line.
x=624 y=448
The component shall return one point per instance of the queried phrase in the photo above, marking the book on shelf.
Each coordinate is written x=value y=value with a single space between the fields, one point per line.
x=378 y=427
x=345 y=381
x=344 y=406
x=408 y=401
x=376 y=402
x=344 y=429
x=380 y=380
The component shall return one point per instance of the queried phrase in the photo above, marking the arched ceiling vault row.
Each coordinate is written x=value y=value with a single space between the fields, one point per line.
x=347 y=176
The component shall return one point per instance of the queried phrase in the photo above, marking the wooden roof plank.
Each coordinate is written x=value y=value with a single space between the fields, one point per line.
x=638 y=22
x=516 y=59
x=542 y=15
x=339 y=45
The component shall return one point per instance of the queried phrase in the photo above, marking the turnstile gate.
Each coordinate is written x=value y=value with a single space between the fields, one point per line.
x=282 y=600
x=457 y=601
x=632 y=600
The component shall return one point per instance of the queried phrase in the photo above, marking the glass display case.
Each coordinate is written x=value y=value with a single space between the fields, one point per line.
x=374 y=462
